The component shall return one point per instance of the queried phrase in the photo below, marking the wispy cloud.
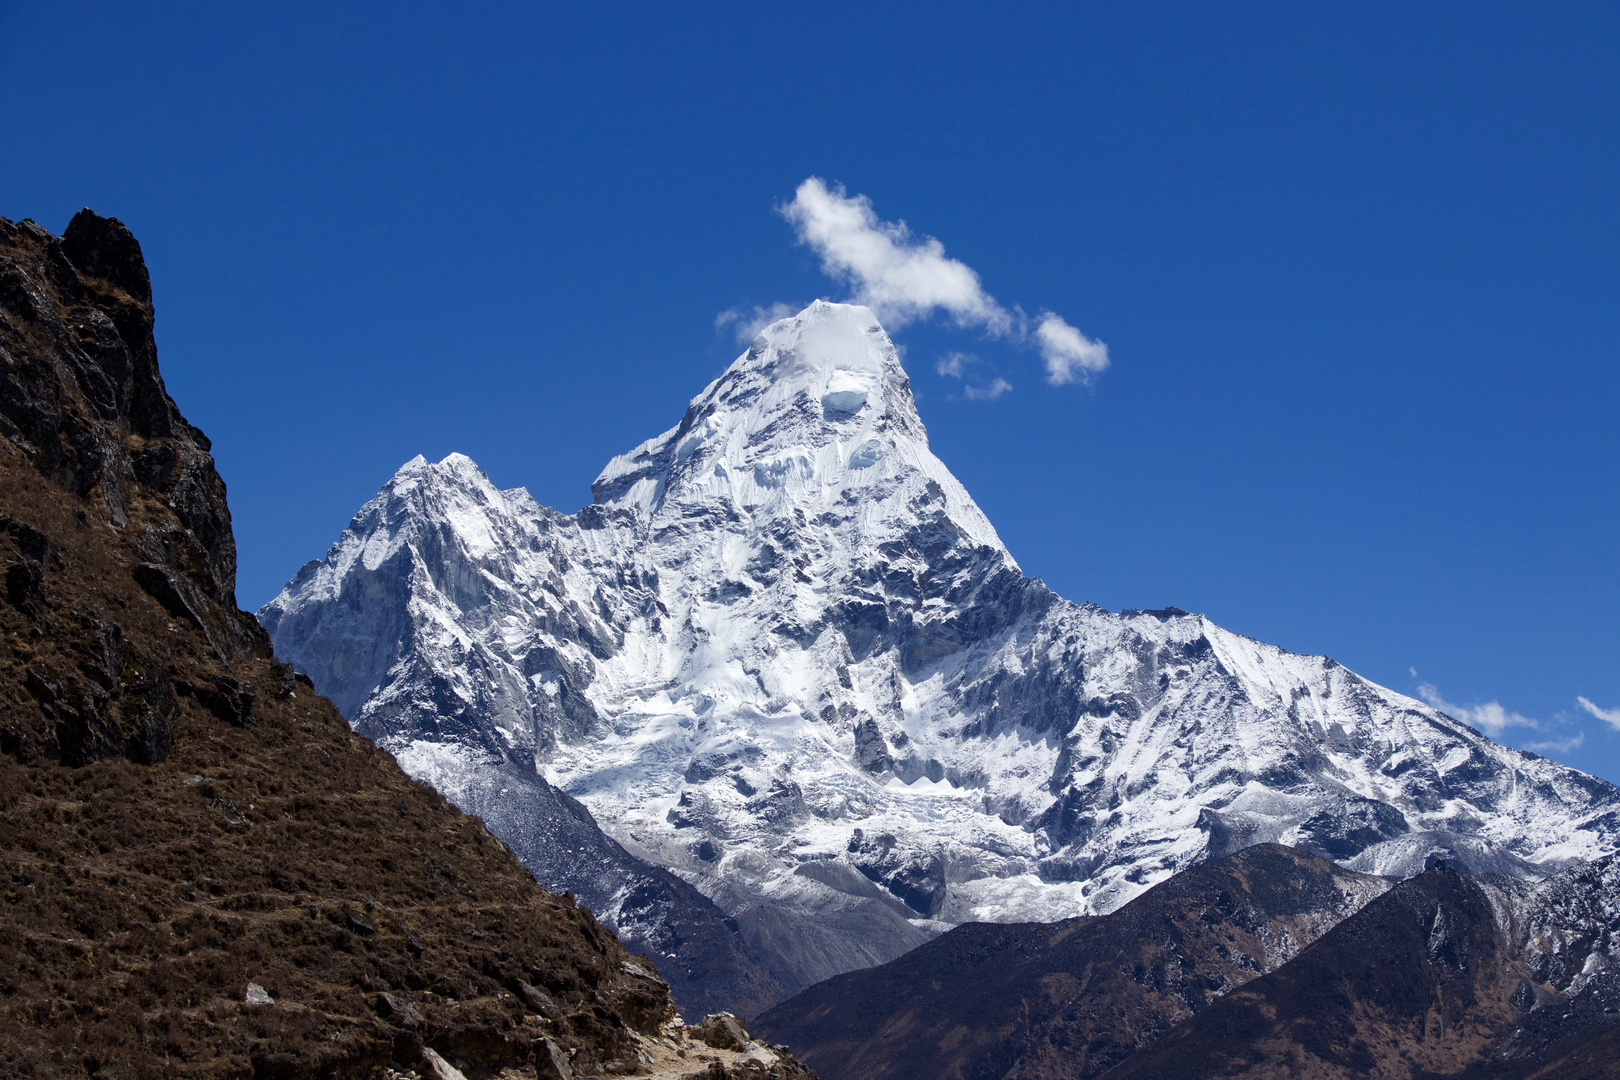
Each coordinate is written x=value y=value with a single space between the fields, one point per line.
x=956 y=366
x=1608 y=716
x=988 y=392
x=1558 y=746
x=748 y=323
x=1489 y=717
x=901 y=277
x=904 y=277
x=1493 y=719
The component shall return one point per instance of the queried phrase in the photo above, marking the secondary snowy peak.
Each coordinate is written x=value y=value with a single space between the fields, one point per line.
x=427 y=614
x=784 y=655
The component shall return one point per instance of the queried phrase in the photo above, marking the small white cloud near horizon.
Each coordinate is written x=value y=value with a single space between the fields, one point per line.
x=1608 y=716
x=1489 y=717
x=988 y=392
x=954 y=365
x=1070 y=356
x=749 y=323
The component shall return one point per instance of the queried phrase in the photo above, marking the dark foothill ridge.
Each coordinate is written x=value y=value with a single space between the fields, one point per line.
x=1442 y=975
x=1445 y=975
x=1073 y=998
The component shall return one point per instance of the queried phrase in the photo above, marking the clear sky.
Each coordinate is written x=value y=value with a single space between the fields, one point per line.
x=1357 y=268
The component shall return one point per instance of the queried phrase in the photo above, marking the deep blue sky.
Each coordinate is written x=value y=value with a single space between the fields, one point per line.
x=1358 y=267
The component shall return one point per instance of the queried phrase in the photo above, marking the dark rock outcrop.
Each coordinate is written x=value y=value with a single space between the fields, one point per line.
x=83 y=401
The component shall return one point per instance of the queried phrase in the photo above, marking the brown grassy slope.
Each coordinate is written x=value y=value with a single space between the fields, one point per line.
x=180 y=816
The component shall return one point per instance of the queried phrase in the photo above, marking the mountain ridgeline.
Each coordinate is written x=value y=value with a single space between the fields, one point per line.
x=1270 y=963
x=1075 y=997
x=1486 y=978
x=784 y=658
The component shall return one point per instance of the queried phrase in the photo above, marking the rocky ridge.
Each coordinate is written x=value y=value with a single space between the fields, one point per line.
x=1070 y=999
x=203 y=872
x=785 y=656
x=1445 y=975
x=1243 y=967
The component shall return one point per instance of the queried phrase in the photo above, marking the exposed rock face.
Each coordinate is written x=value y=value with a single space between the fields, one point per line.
x=1444 y=975
x=203 y=873
x=1073 y=998
x=786 y=656
x=84 y=400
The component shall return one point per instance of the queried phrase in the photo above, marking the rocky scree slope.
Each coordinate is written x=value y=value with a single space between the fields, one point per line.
x=785 y=655
x=203 y=873
x=1445 y=975
x=1073 y=998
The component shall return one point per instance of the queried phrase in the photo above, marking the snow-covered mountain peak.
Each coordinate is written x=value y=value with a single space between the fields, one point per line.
x=453 y=494
x=436 y=486
x=785 y=655
x=816 y=418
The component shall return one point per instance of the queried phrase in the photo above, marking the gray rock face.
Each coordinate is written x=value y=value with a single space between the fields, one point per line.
x=786 y=657
x=697 y=948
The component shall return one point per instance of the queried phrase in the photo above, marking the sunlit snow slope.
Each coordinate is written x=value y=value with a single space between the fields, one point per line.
x=786 y=655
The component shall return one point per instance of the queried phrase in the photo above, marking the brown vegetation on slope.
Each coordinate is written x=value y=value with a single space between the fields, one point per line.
x=202 y=871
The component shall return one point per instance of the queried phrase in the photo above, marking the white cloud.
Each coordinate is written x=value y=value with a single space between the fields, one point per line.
x=955 y=364
x=750 y=322
x=1490 y=717
x=1608 y=716
x=989 y=392
x=902 y=278
x=1557 y=746
x=1070 y=356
